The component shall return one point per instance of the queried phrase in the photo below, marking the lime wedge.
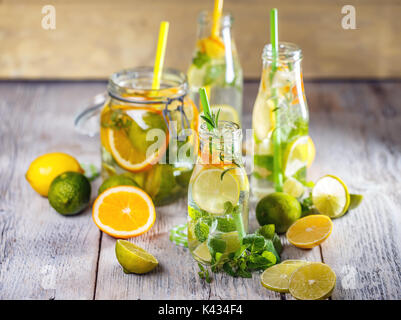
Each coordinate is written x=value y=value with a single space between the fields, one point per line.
x=313 y=281
x=134 y=259
x=296 y=156
x=277 y=277
x=232 y=240
x=330 y=196
x=293 y=187
x=210 y=192
x=355 y=201
x=202 y=253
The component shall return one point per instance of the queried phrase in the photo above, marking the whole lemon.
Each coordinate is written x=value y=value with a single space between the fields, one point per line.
x=45 y=168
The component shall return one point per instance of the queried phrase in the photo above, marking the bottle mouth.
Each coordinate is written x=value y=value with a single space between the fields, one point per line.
x=135 y=85
x=206 y=17
x=225 y=130
x=286 y=52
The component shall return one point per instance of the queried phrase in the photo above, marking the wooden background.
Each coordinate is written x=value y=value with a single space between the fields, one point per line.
x=94 y=38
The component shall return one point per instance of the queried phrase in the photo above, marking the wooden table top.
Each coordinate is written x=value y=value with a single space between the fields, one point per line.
x=356 y=127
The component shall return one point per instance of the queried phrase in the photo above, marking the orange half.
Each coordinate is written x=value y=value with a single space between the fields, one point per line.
x=310 y=231
x=124 y=212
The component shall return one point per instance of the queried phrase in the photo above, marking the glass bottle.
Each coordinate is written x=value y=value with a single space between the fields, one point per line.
x=216 y=67
x=147 y=135
x=218 y=195
x=280 y=124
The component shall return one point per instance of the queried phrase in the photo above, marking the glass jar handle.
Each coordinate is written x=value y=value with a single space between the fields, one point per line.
x=87 y=121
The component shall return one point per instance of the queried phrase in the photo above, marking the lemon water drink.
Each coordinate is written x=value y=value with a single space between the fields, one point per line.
x=149 y=135
x=280 y=111
x=216 y=66
x=218 y=195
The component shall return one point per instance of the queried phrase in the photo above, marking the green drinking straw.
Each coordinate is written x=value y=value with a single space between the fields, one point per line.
x=277 y=161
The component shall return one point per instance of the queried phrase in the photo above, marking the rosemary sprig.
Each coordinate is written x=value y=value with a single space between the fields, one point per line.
x=211 y=118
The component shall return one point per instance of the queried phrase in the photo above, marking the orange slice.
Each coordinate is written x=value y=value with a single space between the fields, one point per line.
x=129 y=147
x=310 y=231
x=124 y=212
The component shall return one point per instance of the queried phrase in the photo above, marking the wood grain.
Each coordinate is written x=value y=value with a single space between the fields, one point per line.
x=356 y=127
x=95 y=38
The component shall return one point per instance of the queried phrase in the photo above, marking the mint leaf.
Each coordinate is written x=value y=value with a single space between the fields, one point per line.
x=201 y=231
x=277 y=243
x=213 y=73
x=200 y=59
x=267 y=231
x=269 y=246
x=216 y=245
x=256 y=243
x=225 y=224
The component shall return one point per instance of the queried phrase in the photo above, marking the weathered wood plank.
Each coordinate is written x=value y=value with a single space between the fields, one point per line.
x=43 y=255
x=358 y=138
x=94 y=38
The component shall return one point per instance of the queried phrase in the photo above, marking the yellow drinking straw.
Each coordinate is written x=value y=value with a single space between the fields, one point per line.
x=160 y=53
x=218 y=9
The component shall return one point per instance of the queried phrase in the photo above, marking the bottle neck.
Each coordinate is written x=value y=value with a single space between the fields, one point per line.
x=221 y=145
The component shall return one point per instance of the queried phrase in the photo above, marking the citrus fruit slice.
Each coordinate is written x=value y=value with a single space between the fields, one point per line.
x=313 y=281
x=232 y=239
x=311 y=152
x=129 y=144
x=124 y=212
x=330 y=196
x=134 y=259
x=277 y=277
x=45 y=168
x=296 y=156
x=293 y=261
x=355 y=201
x=310 y=231
x=202 y=252
x=293 y=187
x=263 y=118
x=210 y=191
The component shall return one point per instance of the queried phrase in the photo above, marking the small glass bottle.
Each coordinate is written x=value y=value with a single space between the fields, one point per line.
x=216 y=67
x=280 y=124
x=218 y=195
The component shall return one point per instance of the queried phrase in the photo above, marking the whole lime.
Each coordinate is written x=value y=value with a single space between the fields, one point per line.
x=117 y=180
x=69 y=193
x=279 y=209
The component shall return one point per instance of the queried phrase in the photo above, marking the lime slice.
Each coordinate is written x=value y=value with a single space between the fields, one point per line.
x=196 y=76
x=311 y=151
x=313 y=281
x=296 y=156
x=233 y=242
x=202 y=253
x=210 y=192
x=293 y=261
x=355 y=201
x=227 y=112
x=277 y=277
x=293 y=187
x=263 y=118
x=330 y=196
x=134 y=259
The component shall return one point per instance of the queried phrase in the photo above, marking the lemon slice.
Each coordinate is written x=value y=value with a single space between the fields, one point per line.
x=294 y=261
x=293 y=187
x=277 y=277
x=232 y=240
x=263 y=118
x=311 y=152
x=196 y=76
x=330 y=196
x=313 y=281
x=134 y=259
x=202 y=252
x=227 y=112
x=210 y=192
x=296 y=156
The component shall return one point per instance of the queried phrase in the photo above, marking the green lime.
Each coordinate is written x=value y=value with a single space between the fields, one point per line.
x=116 y=180
x=161 y=184
x=134 y=259
x=69 y=193
x=279 y=209
x=355 y=201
